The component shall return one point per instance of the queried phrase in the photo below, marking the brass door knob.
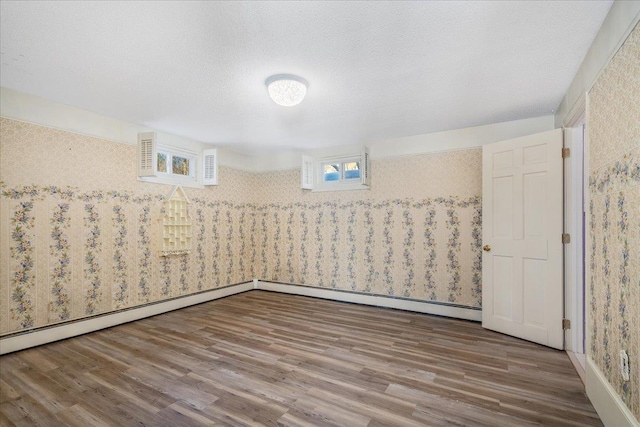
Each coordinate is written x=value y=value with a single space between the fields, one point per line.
x=486 y=248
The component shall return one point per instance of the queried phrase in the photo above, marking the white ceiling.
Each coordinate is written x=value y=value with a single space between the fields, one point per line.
x=376 y=70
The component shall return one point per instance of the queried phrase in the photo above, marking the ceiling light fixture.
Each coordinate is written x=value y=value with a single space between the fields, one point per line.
x=286 y=89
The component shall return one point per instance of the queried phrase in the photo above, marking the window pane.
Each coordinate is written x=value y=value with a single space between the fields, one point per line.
x=162 y=162
x=352 y=170
x=331 y=172
x=180 y=165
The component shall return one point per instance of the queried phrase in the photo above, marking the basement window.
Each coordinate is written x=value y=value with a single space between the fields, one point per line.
x=164 y=164
x=179 y=165
x=349 y=172
x=345 y=171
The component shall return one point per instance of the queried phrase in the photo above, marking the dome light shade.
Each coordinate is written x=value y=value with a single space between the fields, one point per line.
x=286 y=89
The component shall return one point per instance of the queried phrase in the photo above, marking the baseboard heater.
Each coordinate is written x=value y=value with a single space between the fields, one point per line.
x=59 y=331
x=37 y=336
x=388 y=301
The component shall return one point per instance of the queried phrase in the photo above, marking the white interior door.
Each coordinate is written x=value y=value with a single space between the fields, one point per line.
x=522 y=277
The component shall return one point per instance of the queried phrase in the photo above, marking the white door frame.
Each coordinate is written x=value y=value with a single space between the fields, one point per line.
x=574 y=268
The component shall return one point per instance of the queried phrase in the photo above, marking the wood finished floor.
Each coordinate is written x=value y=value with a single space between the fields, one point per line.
x=262 y=358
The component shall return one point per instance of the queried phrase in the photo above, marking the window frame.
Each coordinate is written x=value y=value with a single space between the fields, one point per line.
x=193 y=180
x=342 y=183
x=341 y=171
x=170 y=155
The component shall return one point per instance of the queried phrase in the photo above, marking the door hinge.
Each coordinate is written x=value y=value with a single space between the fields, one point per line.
x=566 y=152
x=566 y=324
x=566 y=238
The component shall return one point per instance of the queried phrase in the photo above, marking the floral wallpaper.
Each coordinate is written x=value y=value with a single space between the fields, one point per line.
x=613 y=232
x=415 y=234
x=424 y=249
x=100 y=255
x=78 y=241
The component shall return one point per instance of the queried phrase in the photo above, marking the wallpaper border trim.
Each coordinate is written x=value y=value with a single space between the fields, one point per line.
x=33 y=338
x=425 y=307
x=606 y=401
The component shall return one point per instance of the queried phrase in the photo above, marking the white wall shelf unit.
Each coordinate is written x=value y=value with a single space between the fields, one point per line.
x=176 y=224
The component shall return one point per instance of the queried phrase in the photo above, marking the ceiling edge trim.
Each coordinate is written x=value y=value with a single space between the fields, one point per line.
x=618 y=24
x=33 y=109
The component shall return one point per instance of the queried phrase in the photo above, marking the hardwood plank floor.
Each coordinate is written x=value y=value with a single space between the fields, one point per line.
x=262 y=358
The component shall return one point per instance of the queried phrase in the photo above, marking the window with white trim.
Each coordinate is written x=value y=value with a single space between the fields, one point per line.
x=336 y=173
x=165 y=164
x=342 y=171
x=175 y=163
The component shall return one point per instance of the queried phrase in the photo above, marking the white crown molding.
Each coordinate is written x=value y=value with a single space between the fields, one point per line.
x=459 y=139
x=36 y=110
x=620 y=21
x=451 y=140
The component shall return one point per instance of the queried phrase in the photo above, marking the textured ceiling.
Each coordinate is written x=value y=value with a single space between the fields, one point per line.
x=376 y=70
